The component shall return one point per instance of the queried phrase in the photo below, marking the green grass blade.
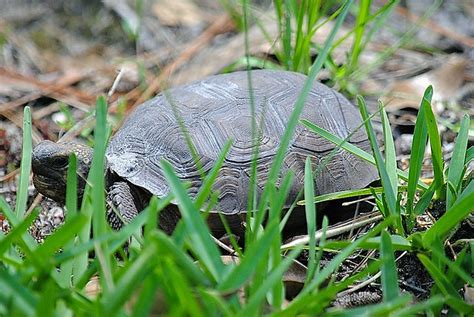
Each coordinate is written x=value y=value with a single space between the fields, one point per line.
x=66 y=270
x=389 y=193
x=389 y=275
x=467 y=190
x=469 y=155
x=310 y=209
x=24 y=300
x=20 y=230
x=293 y=121
x=351 y=148
x=96 y=176
x=335 y=263
x=435 y=142
x=25 y=168
x=14 y=221
x=97 y=183
x=419 y=308
x=166 y=245
x=71 y=187
x=60 y=238
x=456 y=166
x=420 y=137
x=253 y=255
x=390 y=154
x=455 y=268
x=450 y=219
x=439 y=277
x=383 y=309
x=127 y=284
x=116 y=240
x=203 y=246
x=206 y=187
x=272 y=279
x=423 y=203
x=361 y=20
x=185 y=302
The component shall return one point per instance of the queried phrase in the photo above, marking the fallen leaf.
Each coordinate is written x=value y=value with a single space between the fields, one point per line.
x=179 y=13
x=447 y=81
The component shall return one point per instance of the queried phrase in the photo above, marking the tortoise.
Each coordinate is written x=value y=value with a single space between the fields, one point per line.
x=213 y=111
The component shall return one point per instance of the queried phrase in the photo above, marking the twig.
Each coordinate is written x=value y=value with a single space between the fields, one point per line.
x=337 y=230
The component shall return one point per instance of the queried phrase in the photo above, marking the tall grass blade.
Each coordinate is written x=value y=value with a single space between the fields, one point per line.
x=273 y=278
x=66 y=270
x=450 y=219
x=97 y=183
x=469 y=155
x=203 y=246
x=167 y=246
x=435 y=143
x=20 y=230
x=389 y=193
x=389 y=275
x=344 y=144
x=254 y=254
x=21 y=297
x=420 y=137
x=310 y=209
x=133 y=276
x=293 y=121
x=439 y=277
x=25 y=168
x=456 y=166
x=334 y=264
x=390 y=154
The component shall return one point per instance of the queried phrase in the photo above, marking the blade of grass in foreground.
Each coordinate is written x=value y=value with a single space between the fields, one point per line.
x=333 y=265
x=22 y=297
x=21 y=229
x=456 y=166
x=131 y=277
x=203 y=246
x=435 y=143
x=273 y=278
x=443 y=283
x=382 y=309
x=389 y=193
x=293 y=121
x=420 y=137
x=66 y=270
x=310 y=209
x=254 y=254
x=463 y=207
x=389 y=271
x=97 y=182
x=25 y=168
x=390 y=154
x=351 y=148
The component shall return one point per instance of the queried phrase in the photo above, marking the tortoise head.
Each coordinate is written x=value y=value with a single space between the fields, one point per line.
x=50 y=163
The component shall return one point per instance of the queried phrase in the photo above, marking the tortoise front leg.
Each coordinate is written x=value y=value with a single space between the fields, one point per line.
x=123 y=205
x=125 y=202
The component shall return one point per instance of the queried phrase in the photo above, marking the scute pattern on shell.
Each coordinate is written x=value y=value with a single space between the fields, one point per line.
x=216 y=109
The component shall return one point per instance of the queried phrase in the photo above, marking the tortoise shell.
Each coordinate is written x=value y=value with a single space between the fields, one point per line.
x=217 y=109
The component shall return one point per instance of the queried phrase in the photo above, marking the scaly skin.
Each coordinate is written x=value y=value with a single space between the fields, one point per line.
x=50 y=162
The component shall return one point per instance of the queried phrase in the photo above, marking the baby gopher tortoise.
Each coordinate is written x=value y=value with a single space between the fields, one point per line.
x=213 y=111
